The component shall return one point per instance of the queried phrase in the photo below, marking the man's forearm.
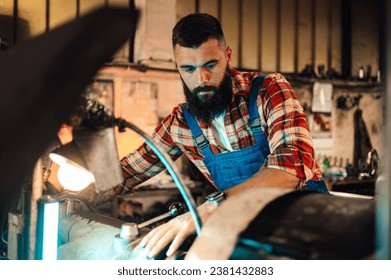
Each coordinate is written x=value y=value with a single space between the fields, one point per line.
x=267 y=177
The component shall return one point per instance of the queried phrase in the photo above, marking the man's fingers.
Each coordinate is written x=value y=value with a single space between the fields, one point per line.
x=158 y=238
x=162 y=242
x=148 y=237
x=162 y=230
x=174 y=231
x=178 y=240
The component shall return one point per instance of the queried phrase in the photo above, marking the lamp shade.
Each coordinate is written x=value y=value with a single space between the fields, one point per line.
x=72 y=173
x=93 y=152
x=68 y=153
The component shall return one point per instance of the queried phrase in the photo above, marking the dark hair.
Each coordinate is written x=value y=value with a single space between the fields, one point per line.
x=194 y=29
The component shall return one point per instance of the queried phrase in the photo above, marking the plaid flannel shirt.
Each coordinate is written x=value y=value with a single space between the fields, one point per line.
x=282 y=118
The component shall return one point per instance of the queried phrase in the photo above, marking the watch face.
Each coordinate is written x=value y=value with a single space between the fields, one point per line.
x=219 y=195
x=216 y=196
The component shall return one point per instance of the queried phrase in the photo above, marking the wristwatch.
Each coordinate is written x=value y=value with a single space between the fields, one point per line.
x=216 y=197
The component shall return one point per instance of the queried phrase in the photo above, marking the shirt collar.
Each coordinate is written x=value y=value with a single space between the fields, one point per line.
x=241 y=81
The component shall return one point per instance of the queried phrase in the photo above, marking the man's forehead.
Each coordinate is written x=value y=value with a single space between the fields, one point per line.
x=210 y=50
x=211 y=42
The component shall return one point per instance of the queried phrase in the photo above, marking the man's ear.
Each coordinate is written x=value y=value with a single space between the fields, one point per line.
x=228 y=53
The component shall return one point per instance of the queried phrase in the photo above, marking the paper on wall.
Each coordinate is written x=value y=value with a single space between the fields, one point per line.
x=322 y=95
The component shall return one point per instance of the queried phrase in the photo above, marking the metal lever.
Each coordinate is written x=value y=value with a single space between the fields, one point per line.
x=174 y=210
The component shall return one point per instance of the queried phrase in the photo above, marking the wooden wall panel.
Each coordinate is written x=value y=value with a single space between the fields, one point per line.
x=304 y=33
x=185 y=7
x=210 y=6
x=287 y=39
x=280 y=35
x=61 y=11
x=118 y=3
x=229 y=22
x=7 y=7
x=35 y=13
x=269 y=36
x=321 y=32
x=365 y=36
x=336 y=36
x=122 y=55
x=87 y=6
x=250 y=32
x=258 y=42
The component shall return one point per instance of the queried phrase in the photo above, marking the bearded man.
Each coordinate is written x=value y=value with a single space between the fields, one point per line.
x=241 y=130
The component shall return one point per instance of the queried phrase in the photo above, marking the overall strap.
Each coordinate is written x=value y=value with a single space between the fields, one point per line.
x=254 y=119
x=199 y=137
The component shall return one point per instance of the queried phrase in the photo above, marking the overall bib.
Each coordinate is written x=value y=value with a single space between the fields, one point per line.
x=231 y=168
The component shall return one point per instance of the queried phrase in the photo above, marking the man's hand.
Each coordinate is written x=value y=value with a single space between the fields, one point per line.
x=175 y=230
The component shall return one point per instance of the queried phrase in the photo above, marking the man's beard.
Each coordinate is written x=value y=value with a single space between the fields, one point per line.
x=207 y=106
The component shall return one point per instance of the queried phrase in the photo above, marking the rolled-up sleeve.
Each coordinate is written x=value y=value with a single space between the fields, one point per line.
x=290 y=141
x=143 y=163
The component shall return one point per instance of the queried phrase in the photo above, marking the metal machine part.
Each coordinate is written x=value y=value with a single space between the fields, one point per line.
x=15 y=229
x=129 y=232
x=89 y=236
x=85 y=235
x=174 y=210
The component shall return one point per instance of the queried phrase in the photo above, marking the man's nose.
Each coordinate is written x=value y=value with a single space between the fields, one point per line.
x=203 y=76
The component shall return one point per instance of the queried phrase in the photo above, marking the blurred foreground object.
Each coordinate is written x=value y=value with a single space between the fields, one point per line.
x=284 y=224
x=42 y=81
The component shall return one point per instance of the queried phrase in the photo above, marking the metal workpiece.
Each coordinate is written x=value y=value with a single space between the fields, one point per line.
x=69 y=199
x=129 y=232
x=98 y=238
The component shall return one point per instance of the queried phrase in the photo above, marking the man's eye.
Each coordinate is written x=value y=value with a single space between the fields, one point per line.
x=188 y=69
x=210 y=65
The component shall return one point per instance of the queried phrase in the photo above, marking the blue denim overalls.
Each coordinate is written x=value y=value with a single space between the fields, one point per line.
x=231 y=168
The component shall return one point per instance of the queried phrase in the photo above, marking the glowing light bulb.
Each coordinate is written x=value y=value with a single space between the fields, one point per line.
x=74 y=178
